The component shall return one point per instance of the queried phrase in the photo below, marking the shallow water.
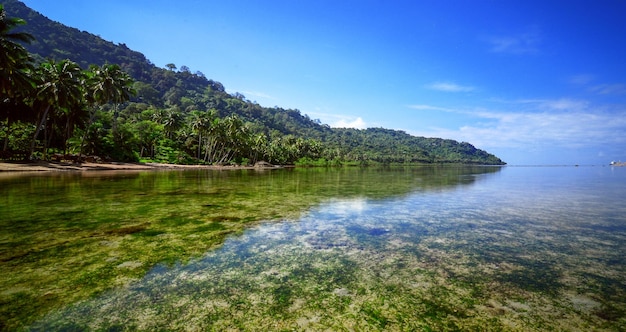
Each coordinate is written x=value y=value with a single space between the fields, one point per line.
x=429 y=248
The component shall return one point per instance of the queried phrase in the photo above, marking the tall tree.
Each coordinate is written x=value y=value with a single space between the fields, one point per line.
x=106 y=84
x=15 y=68
x=109 y=84
x=199 y=122
x=170 y=118
x=14 y=59
x=60 y=87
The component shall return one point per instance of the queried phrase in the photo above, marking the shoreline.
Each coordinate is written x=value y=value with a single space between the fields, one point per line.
x=57 y=166
x=52 y=166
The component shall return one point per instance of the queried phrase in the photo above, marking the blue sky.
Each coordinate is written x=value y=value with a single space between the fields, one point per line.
x=534 y=82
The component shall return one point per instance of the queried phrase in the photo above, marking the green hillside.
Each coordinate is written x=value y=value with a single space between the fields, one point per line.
x=178 y=115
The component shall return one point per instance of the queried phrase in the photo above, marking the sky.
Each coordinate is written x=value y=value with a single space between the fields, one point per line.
x=533 y=82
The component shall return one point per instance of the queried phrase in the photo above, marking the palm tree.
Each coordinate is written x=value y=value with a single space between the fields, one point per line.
x=213 y=138
x=14 y=59
x=74 y=116
x=237 y=139
x=109 y=84
x=259 y=147
x=106 y=84
x=199 y=123
x=15 y=68
x=171 y=121
x=59 y=88
x=149 y=133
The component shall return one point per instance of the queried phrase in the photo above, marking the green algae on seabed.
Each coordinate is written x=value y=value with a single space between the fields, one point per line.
x=68 y=237
x=414 y=250
x=352 y=265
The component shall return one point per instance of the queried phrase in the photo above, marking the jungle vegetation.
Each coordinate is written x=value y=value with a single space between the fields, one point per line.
x=69 y=92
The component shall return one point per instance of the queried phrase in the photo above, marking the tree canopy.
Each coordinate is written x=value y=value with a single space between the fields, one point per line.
x=123 y=107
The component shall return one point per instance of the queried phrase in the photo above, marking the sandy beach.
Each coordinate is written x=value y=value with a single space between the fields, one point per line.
x=43 y=166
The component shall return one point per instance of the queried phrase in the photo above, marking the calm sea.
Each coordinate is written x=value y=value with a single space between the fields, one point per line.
x=432 y=248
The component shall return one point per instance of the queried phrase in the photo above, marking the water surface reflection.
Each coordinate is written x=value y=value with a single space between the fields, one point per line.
x=535 y=248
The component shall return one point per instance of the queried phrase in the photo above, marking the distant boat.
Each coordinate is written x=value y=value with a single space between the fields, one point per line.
x=617 y=163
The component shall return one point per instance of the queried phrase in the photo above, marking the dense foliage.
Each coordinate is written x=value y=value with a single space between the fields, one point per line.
x=51 y=104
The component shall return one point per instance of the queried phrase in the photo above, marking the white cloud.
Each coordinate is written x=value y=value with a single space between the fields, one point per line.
x=357 y=123
x=257 y=94
x=565 y=104
x=581 y=79
x=560 y=123
x=523 y=43
x=449 y=87
x=429 y=108
x=586 y=80
x=339 y=120
x=609 y=89
x=561 y=104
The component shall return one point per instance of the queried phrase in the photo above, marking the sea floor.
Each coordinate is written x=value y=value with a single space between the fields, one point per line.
x=356 y=265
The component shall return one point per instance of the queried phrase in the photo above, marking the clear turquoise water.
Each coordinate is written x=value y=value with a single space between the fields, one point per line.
x=516 y=248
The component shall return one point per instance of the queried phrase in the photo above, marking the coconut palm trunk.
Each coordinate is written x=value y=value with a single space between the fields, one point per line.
x=42 y=122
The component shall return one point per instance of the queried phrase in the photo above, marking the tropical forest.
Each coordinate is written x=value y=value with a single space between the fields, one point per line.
x=145 y=197
x=67 y=94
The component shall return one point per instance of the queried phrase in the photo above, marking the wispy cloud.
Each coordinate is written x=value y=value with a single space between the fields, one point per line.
x=257 y=94
x=561 y=104
x=581 y=79
x=429 y=108
x=587 y=81
x=609 y=89
x=525 y=124
x=523 y=43
x=449 y=87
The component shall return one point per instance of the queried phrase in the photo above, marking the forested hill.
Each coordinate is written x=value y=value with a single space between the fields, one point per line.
x=176 y=110
x=57 y=41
